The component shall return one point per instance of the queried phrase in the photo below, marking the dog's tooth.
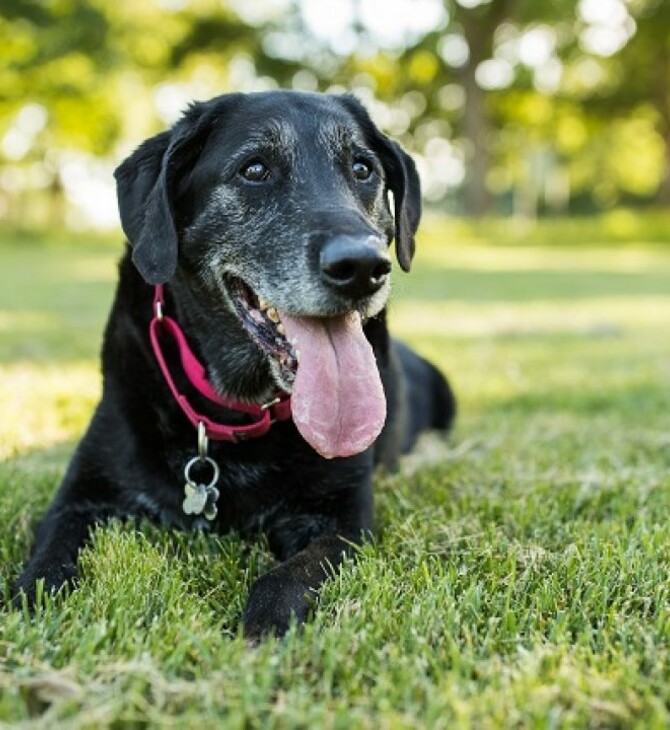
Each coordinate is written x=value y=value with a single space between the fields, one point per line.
x=273 y=315
x=297 y=354
x=281 y=329
x=263 y=303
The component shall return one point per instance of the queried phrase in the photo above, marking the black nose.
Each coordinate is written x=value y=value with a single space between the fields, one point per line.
x=356 y=266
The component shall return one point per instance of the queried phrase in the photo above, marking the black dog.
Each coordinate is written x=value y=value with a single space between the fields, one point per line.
x=267 y=217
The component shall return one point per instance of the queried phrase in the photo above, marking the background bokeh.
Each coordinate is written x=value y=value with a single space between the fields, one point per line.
x=519 y=573
x=511 y=107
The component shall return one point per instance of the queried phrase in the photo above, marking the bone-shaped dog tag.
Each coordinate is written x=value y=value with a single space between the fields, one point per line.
x=200 y=499
x=195 y=498
x=210 y=511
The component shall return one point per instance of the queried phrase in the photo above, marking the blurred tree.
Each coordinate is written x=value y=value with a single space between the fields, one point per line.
x=640 y=79
x=56 y=54
x=511 y=103
x=537 y=95
x=480 y=48
x=457 y=77
x=53 y=58
x=478 y=24
x=85 y=76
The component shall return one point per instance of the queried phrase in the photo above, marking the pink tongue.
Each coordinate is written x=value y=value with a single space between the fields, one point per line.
x=337 y=401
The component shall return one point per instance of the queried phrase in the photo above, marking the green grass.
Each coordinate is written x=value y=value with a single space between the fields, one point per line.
x=519 y=577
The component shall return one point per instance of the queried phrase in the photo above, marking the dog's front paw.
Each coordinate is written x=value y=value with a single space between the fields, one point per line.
x=36 y=581
x=275 y=598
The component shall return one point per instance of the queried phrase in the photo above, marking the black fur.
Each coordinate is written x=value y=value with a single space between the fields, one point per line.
x=190 y=219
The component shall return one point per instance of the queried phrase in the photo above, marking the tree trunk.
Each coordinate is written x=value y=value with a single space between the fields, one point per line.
x=476 y=129
x=479 y=25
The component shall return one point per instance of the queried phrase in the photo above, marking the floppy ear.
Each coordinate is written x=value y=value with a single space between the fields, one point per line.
x=402 y=180
x=145 y=184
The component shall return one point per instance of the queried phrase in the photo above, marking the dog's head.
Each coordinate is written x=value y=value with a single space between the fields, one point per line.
x=274 y=208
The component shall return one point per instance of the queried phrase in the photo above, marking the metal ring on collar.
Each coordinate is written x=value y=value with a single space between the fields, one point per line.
x=203 y=441
x=199 y=460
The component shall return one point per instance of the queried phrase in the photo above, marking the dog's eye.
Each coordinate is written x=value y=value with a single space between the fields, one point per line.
x=255 y=171
x=361 y=169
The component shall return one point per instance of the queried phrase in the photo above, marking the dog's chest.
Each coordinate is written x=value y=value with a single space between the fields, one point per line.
x=248 y=493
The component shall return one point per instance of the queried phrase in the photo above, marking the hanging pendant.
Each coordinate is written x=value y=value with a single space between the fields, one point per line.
x=199 y=498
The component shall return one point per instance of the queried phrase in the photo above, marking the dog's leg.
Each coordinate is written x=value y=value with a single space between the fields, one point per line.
x=60 y=537
x=84 y=498
x=290 y=589
x=313 y=548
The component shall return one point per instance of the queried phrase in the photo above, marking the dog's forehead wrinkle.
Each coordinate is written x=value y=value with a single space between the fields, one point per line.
x=276 y=135
x=336 y=134
x=320 y=144
x=282 y=133
x=332 y=130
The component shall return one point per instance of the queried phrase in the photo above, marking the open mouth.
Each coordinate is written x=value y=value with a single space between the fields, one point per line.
x=263 y=322
x=328 y=366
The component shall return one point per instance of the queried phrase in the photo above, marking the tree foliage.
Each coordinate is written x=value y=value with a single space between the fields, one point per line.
x=507 y=104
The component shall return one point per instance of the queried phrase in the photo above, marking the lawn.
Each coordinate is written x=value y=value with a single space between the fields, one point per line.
x=519 y=575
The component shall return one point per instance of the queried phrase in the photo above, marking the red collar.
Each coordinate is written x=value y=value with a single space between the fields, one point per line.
x=278 y=409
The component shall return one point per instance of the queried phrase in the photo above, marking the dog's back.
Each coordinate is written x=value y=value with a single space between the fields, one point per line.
x=419 y=397
x=430 y=400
